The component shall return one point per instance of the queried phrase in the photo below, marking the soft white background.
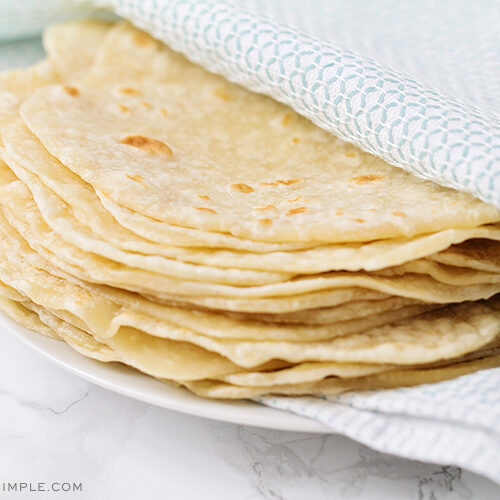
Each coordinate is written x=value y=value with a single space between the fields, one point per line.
x=56 y=427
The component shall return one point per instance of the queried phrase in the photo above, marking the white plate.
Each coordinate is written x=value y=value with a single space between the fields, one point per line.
x=129 y=382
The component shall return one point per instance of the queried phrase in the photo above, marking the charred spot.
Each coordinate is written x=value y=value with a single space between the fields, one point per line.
x=298 y=210
x=137 y=178
x=130 y=91
x=223 y=94
x=72 y=91
x=206 y=209
x=148 y=144
x=265 y=222
x=242 y=188
x=143 y=40
x=278 y=182
x=266 y=207
x=365 y=179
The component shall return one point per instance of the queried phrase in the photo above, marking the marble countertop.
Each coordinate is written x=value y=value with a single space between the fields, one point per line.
x=56 y=428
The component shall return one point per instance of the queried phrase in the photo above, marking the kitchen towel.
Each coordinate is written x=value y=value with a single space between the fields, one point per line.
x=416 y=83
x=456 y=422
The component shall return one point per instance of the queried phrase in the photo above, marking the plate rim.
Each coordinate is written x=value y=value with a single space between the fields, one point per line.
x=109 y=375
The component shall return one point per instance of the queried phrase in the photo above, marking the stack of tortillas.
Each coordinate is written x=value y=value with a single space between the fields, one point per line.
x=156 y=215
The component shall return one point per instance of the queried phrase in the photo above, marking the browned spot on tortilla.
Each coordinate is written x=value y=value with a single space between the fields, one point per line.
x=124 y=108
x=223 y=94
x=295 y=140
x=292 y=200
x=71 y=91
x=163 y=111
x=137 y=178
x=398 y=213
x=286 y=119
x=372 y=209
x=130 y=91
x=206 y=209
x=147 y=144
x=143 y=40
x=265 y=222
x=359 y=220
x=364 y=179
x=146 y=104
x=204 y=197
x=351 y=154
x=267 y=207
x=289 y=181
x=339 y=211
x=278 y=182
x=294 y=211
x=242 y=188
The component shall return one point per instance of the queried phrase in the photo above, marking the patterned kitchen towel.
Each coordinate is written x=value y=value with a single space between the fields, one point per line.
x=453 y=423
x=417 y=83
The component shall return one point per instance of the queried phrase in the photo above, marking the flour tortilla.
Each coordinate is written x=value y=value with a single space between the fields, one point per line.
x=87 y=345
x=266 y=305
x=34 y=317
x=72 y=46
x=79 y=340
x=131 y=347
x=99 y=310
x=22 y=213
x=243 y=156
x=55 y=210
x=57 y=214
x=329 y=315
x=446 y=333
x=17 y=199
x=451 y=275
x=357 y=374
x=10 y=293
x=332 y=385
x=16 y=84
x=481 y=254
x=346 y=302
x=24 y=317
x=157 y=357
x=71 y=49
x=24 y=149
x=62 y=42
x=66 y=196
x=313 y=372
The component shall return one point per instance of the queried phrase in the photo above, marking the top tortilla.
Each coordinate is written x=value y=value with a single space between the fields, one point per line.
x=170 y=141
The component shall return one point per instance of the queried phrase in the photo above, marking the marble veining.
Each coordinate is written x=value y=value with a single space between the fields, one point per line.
x=57 y=427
